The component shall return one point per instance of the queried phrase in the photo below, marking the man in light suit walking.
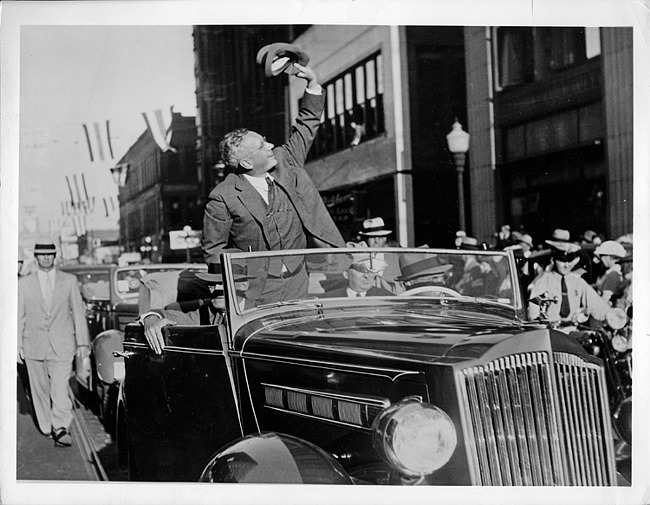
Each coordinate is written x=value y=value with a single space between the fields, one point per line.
x=52 y=328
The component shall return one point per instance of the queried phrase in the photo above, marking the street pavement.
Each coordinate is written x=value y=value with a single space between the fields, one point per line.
x=37 y=458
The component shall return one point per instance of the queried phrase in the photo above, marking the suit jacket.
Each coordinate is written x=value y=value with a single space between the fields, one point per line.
x=64 y=327
x=235 y=213
x=342 y=292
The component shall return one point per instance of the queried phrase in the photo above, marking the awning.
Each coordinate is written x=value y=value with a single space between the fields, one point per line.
x=354 y=166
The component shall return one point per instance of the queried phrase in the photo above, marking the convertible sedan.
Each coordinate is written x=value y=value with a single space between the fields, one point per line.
x=367 y=366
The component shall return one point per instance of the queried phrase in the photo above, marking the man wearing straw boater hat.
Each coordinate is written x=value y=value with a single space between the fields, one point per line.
x=374 y=232
x=52 y=329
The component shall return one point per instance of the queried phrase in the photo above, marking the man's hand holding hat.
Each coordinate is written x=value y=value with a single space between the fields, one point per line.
x=280 y=57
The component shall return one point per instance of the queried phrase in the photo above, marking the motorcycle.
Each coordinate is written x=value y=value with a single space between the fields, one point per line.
x=611 y=341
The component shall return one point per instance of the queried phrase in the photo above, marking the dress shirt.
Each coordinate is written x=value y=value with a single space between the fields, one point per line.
x=581 y=296
x=48 y=277
x=261 y=185
x=352 y=293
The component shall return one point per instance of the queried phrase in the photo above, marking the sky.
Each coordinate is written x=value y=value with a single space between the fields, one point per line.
x=75 y=75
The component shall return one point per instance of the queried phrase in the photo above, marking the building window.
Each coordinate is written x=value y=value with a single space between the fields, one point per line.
x=354 y=108
x=530 y=54
x=515 y=55
x=176 y=217
x=563 y=47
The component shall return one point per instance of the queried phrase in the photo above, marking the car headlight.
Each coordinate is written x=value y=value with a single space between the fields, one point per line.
x=414 y=437
x=616 y=318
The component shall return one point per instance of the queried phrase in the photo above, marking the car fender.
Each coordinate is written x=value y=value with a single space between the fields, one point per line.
x=274 y=458
x=110 y=369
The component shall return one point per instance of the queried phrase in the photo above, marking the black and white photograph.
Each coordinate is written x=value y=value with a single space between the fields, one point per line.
x=197 y=194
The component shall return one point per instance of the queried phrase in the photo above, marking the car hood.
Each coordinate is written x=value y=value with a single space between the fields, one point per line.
x=410 y=332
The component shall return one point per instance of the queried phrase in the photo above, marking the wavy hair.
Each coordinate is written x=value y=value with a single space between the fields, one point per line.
x=228 y=147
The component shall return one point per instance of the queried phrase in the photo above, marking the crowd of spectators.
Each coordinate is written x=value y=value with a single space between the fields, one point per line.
x=604 y=264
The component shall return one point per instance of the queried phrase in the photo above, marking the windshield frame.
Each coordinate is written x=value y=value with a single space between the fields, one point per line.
x=238 y=317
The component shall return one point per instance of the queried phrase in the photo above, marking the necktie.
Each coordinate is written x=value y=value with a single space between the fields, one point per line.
x=564 y=308
x=47 y=294
x=271 y=191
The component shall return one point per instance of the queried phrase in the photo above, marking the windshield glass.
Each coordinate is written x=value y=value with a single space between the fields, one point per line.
x=94 y=285
x=262 y=279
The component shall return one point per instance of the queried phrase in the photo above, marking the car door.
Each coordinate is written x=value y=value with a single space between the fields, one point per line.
x=180 y=405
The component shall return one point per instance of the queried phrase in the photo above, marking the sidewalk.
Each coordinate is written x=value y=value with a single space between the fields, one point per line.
x=36 y=456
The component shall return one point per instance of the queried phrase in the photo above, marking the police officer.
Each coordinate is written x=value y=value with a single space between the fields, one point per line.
x=573 y=294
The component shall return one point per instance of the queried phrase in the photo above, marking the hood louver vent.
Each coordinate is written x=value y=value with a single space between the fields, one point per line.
x=349 y=410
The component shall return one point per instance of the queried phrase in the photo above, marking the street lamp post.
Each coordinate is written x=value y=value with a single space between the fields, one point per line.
x=458 y=143
x=146 y=248
x=187 y=229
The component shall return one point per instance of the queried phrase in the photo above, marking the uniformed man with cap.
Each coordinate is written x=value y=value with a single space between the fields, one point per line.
x=360 y=277
x=375 y=234
x=573 y=294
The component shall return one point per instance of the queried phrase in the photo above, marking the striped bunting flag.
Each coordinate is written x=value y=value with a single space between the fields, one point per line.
x=159 y=123
x=99 y=142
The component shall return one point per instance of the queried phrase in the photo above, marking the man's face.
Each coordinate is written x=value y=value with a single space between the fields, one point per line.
x=241 y=287
x=360 y=281
x=256 y=154
x=377 y=241
x=607 y=260
x=45 y=261
x=564 y=266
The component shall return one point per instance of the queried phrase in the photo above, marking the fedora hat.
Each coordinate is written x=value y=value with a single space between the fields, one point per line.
x=45 y=246
x=414 y=265
x=523 y=238
x=560 y=235
x=469 y=243
x=374 y=227
x=280 y=57
x=215 y=276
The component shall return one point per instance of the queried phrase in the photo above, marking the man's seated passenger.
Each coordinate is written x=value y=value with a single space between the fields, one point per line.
x=360 y=277
x=202 y=310
x=479 y=277
x=422 y=270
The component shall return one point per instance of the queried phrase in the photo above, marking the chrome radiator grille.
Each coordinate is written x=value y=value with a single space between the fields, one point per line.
x=532 y=422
